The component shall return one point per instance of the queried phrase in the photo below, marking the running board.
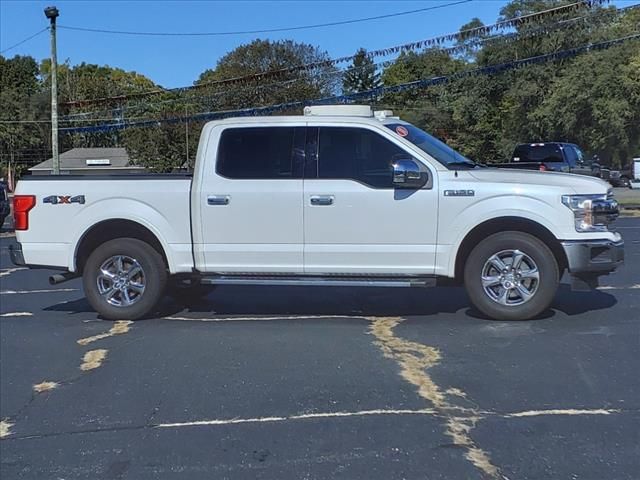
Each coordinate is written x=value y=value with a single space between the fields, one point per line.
x=332 y=281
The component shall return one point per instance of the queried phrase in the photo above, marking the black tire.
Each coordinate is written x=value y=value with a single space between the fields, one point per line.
x=153 y=277
x=541 y=291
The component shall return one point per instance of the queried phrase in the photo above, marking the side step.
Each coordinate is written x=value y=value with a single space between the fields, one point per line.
x=322 y=281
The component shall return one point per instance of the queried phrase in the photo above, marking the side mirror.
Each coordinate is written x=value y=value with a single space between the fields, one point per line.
x=407 y=173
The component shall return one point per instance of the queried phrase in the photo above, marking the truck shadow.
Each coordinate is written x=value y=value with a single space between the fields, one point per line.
x=340 y=301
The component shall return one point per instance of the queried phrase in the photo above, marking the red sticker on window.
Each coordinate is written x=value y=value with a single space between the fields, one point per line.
x=402 y=131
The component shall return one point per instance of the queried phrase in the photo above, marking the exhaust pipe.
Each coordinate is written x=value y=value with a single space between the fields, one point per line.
x=62 y=277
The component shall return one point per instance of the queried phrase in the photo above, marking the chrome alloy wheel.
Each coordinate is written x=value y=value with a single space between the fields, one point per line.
x=510 y=277
x=121 y=281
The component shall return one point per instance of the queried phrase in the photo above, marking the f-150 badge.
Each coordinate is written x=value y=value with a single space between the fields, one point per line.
x=66 y=199
x=459 y=193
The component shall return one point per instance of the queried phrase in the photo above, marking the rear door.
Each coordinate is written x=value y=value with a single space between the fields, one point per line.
x=251 y=200
x=355 y=221
x=576 y=160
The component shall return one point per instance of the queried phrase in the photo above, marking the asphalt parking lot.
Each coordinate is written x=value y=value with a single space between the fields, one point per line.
x=317 y=383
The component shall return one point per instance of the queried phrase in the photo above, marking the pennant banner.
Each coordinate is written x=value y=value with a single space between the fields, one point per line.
x=494 y=40
x=349 y=98
x=427 y=43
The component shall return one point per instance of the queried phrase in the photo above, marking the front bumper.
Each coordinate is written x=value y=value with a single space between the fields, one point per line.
x=596 y=257
x=15 y=252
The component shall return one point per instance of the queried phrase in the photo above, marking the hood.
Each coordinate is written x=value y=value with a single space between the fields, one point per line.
x=579 y=183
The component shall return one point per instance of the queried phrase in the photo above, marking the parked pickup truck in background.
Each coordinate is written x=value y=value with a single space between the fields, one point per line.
x=551 y=157
x=340 y=196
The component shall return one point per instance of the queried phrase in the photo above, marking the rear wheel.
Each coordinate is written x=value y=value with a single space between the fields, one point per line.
x=124 y=279
x=511 y=276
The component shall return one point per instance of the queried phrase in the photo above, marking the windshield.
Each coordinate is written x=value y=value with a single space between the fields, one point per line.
x=439 y=150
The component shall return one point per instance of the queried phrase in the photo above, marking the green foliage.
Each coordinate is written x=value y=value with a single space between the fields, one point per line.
x=592 y=99
x=20 y=97
x=361 y=75
x=262 y=56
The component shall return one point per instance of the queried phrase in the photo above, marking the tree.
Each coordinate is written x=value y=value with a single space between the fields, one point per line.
x=361 y=75
x=90 y=81
x=22 y=141
x=469 y=43
x=263 y=56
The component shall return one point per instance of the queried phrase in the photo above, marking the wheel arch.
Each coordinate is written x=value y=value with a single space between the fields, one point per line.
x=504 y=224
x=112 y=229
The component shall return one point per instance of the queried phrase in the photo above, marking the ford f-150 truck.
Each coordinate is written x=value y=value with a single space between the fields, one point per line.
x=339 y=196
x=551 y=157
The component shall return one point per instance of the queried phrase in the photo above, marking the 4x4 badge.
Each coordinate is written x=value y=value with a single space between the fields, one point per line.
x=67 y=199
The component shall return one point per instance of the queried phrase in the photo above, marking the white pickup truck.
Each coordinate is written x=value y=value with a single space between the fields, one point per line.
x=340 y=196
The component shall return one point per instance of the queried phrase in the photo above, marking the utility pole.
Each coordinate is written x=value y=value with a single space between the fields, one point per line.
x=52 y=13
x=186 y=134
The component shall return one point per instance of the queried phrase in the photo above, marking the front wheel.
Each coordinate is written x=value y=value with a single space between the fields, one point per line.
x=124 y=279
x=511 y=276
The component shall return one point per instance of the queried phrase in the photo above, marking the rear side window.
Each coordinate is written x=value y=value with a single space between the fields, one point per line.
x=544 y=152
x=261 y=153
x=357 y=154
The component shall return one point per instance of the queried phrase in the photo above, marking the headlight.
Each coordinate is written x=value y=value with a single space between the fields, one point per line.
x=593 y=213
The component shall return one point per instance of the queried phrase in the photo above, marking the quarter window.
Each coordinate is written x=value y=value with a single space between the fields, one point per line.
x=261 y=153
x=357 y=154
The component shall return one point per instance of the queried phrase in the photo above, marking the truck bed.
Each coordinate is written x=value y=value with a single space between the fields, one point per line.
x=68 y=206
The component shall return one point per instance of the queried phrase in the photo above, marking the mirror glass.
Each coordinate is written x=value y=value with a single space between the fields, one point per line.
x=407 y=173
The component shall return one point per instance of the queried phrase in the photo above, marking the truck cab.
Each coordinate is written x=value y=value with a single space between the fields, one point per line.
x=341 y=195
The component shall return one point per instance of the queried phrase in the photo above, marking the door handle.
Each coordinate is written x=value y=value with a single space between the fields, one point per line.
x=322 y=200
x=218 y=199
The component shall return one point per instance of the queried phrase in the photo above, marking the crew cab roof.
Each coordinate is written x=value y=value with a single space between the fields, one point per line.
x=360 y=114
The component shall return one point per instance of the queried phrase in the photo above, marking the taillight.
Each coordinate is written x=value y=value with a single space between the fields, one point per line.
x=21 y=206
x=543 y=168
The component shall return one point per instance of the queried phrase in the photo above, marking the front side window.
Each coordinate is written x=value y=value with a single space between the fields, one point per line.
x=261 y=153
x=357 y=154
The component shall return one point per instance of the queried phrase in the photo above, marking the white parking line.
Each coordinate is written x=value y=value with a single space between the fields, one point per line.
x=379 y=412
x=16 y=314
x=52 y=290
x=9 y=271
x=566 y=411
x=361 y=413
x=611 y=287
x=5 y=428
x=253 y=319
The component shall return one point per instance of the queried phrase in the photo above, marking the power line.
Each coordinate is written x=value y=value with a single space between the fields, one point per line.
x=25 y=40
x=120 y=111
x=373 y=93
x=271 y=30
x=433 y=41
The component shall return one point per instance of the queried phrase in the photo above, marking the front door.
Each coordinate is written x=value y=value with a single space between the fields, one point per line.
x=355 y=221
x=250 y=206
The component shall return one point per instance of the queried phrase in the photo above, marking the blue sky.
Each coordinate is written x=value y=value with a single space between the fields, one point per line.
x=177 y=61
